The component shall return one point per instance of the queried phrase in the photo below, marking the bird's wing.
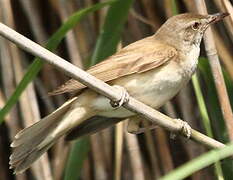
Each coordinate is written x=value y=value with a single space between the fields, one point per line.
x=137 y=57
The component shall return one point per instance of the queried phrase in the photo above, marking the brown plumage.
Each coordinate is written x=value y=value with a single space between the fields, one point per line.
x=137 y=57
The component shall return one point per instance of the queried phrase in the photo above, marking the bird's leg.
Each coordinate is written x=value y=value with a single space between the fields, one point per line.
x=137 y=125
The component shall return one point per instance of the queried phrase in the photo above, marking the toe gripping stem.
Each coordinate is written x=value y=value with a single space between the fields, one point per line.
x=185 y=128
x=124 y=98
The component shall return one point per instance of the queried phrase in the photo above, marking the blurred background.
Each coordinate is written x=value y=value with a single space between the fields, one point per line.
x=86 y=32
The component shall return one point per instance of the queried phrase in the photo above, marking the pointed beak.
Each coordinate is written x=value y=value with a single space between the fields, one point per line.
x=216 y=17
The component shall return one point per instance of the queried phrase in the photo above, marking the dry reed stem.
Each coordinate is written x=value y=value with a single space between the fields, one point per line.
x=142 y=19
x=153 y=155
x=2 y=102
x=190 y=5
x=99 y=165
x=12 y=128
x=227 y=21
x=134 y=30
x=187 y=106
x=170 y=110
x=107 y=148
x=12 y=120
x=228 y=6
x=86 y=171
x=47 y=100
x=31 y=115
x=168 y=6
x=135 y=156
x=164 y=152
x=148 y=6
x=59 y=164
x=119 y=139
x=84 y=34
x=8 y=80
x=35 y=22
x=8 y=85
x=104 y=146
x=72 y=46
x=217 y=73
x=224 y=52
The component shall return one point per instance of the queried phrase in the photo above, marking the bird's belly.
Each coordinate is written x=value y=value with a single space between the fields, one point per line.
x=153 y=88
x=158 y=87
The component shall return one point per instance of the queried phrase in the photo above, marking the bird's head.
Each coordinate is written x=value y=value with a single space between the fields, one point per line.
x=187 y=29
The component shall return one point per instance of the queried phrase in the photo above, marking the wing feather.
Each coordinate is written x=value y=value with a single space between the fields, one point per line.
x=137 y=57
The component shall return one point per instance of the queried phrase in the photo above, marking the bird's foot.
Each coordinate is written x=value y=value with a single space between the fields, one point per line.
x=124 y=97
x=185 y=129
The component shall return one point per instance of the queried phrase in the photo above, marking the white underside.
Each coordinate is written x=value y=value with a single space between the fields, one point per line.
x=154 y=87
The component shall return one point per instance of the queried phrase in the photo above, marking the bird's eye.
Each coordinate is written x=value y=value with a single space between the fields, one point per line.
x=195 y=26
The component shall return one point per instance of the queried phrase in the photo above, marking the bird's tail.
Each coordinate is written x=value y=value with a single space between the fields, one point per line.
x=30 y=143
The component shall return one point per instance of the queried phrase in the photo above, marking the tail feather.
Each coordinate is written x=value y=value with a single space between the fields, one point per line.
x=21 y=166
x=30 y=143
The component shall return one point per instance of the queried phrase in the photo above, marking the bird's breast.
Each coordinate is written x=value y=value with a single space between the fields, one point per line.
x=159 y=85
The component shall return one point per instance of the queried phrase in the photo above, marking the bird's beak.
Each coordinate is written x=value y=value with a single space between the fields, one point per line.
x=216 y=17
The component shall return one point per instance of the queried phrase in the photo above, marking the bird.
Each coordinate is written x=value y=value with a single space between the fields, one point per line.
x=152 y=70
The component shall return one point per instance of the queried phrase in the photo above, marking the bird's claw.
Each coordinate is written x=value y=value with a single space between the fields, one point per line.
x=124 y=97
x=185 y=129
